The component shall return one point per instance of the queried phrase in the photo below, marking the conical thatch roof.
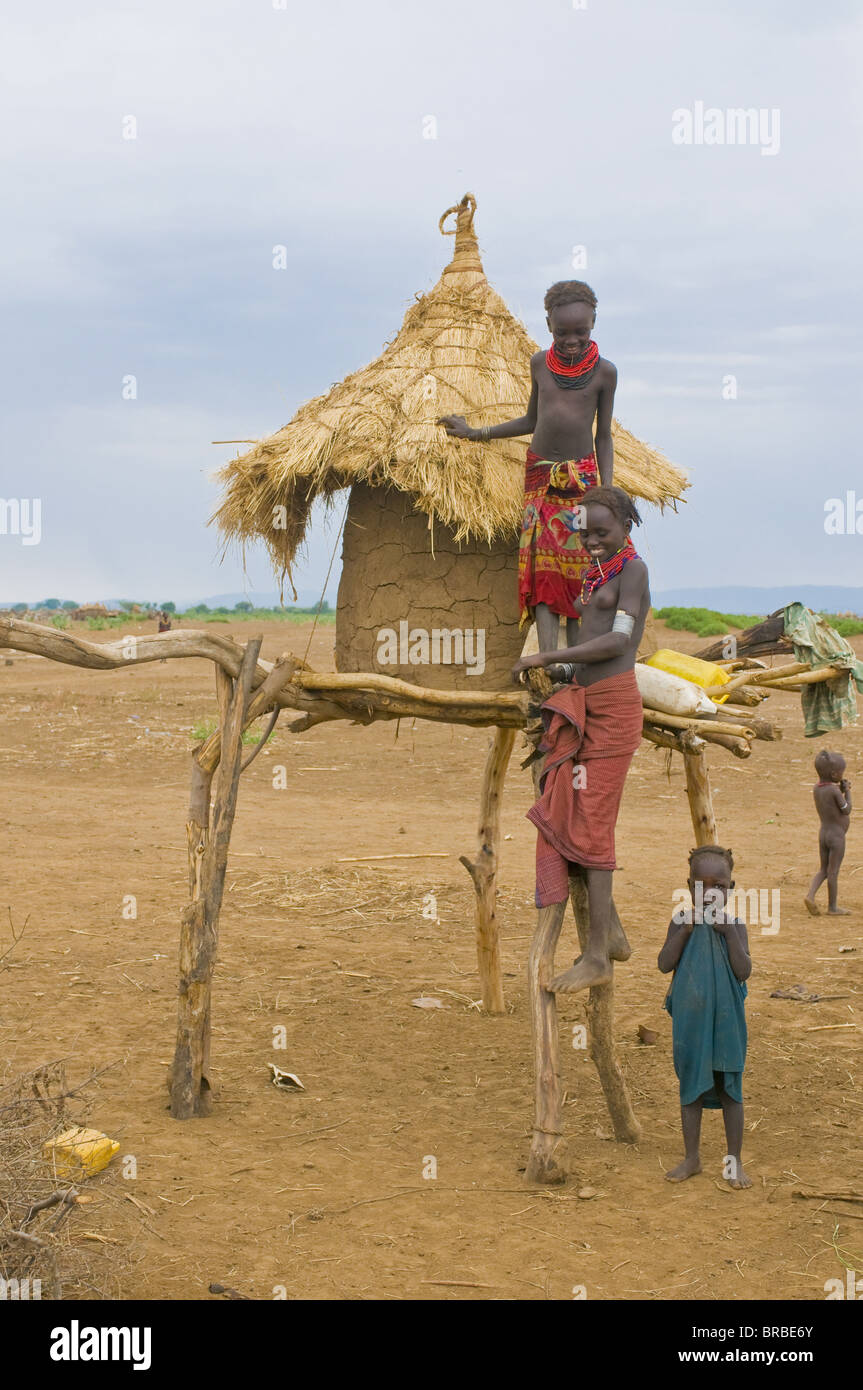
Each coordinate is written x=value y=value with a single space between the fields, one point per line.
x=459 y=351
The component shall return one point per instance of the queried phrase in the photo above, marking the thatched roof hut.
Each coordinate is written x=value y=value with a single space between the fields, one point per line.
x=431 y=536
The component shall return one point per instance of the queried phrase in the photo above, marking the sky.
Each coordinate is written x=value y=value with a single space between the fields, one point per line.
x=144 y=317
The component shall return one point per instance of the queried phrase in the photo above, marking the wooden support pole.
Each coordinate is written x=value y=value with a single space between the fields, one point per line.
x=225 y=687
x=483 y=871
x=198 y=824
x=600 y=1025
x=266 y=695
x=542 y=1165
x=224 y=695
x=700 y=800
x=199 y=929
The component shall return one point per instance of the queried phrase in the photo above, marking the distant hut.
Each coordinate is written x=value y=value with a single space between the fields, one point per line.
x=91 y=610
x=431 y=533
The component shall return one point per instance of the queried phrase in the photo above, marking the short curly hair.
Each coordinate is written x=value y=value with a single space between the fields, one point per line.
x=615 y=499
x=710 y=851
x=569 y=292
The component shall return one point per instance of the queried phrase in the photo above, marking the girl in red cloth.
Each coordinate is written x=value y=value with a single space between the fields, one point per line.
x=592 y=727
x=571 y=387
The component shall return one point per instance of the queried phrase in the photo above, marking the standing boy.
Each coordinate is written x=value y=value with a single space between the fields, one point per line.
x=832 y=794
x=572 y=386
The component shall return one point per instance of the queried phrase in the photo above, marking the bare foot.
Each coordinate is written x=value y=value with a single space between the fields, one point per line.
x=618 y=946
x=687 y=1169
x=812 y=906
x=838 y=912
x=742 y=1180
x=584 y=974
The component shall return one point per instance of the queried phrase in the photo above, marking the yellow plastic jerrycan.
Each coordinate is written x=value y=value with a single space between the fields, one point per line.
x=80 y=1152
x=690 y=668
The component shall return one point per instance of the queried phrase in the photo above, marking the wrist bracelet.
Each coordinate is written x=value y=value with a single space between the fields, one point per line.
x=485 y=433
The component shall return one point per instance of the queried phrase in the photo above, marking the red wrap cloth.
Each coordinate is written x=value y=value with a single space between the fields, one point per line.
x=552 y=559
x=596 y=727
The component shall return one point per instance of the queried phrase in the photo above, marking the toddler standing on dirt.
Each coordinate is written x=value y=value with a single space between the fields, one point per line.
x=709 y=954
x=832 y=794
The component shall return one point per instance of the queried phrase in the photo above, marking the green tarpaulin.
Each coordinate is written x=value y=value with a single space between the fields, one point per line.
x=829 y=704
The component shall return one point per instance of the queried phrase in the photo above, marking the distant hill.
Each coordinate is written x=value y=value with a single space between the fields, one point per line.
x=828 y=598
x=736 y=598
x=306 y=598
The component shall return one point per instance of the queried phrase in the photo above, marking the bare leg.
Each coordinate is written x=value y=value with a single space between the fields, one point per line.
x=594 y=966
x=732 y=1114
x=547 y=628
x=811 y=905
x=690 y=1116
x=837 y=854
x=618 y=943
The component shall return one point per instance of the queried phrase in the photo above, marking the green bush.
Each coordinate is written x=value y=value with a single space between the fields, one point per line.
x=846 y=627
x=704 y=622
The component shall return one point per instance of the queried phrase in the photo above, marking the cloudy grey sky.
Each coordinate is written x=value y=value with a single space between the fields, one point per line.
x=260 y=124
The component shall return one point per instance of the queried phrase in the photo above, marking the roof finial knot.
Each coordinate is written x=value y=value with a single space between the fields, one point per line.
x=466 y=254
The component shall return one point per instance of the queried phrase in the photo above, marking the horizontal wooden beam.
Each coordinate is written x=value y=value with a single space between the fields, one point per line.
x=363 y=697
x=130 y=650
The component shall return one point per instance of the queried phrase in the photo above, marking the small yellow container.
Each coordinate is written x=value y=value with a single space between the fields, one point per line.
x=690 y=668
x=80 y=1152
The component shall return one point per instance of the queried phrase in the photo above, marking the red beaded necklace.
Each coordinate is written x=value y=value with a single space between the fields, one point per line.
x=574 y=375
x=595 y=576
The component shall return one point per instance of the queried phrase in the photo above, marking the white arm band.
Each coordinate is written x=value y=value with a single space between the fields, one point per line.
x=623 y=622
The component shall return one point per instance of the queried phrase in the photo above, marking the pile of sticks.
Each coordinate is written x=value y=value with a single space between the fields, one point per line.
x=729 y=727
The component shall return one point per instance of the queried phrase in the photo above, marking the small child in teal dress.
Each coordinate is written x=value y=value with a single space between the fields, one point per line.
x=709 y=954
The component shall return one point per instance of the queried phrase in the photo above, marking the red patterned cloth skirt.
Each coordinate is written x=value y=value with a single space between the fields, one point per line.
x=591 y=734
x=551 y=557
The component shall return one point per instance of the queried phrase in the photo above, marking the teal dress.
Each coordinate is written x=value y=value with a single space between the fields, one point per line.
x=708 y=1022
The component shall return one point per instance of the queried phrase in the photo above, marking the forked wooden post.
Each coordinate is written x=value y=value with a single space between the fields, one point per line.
x=199 y=928
x=600 y=1026
x=483 y=871
x=542 y=1165
x=700 y=800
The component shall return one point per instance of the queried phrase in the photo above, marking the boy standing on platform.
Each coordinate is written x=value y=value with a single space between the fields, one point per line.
x=571 y=387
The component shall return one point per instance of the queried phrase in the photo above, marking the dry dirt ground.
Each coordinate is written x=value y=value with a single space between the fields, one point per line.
x=324 y=1193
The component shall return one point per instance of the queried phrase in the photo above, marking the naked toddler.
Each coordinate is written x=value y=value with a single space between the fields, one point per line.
x=833 y=803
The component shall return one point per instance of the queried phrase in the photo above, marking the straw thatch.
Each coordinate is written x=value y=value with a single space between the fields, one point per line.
x=459 y=351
